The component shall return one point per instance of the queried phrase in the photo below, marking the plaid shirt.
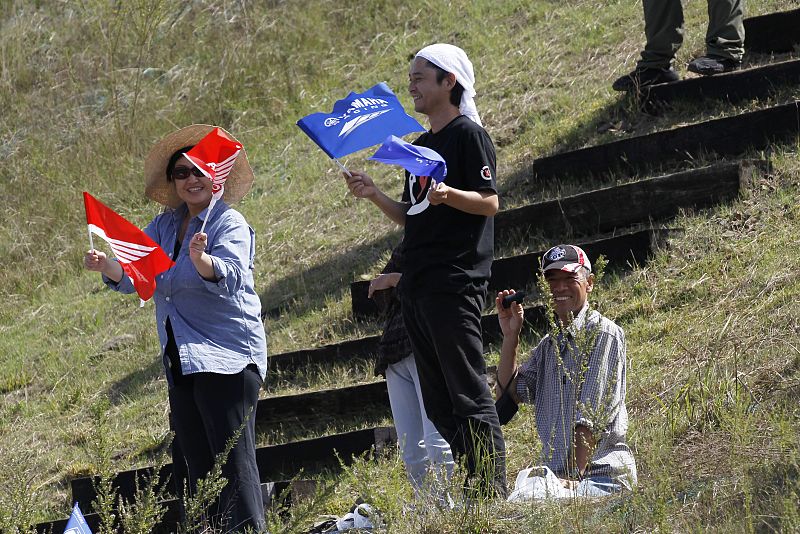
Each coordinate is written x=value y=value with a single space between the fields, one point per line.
x=569 y=391
x=394 y=344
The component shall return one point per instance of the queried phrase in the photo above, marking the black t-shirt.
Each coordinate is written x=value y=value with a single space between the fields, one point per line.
x=447 y=249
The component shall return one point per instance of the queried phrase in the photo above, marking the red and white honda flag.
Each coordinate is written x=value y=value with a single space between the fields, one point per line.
x=140 y=257
x=215 y=155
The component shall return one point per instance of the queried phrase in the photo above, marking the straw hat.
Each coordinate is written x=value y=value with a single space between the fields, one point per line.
x=157 y=188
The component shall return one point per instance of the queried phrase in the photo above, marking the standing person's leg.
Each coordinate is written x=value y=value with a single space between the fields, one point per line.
x=438 y=451
x=180 y=471
x=431 y=380
x=724 y=39
x=451 y=325
x=663 y=29
x=227 y=404
x=192 y=457
x=407 y=421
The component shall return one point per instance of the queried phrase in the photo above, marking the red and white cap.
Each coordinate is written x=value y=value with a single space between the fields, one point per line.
x=569 y=258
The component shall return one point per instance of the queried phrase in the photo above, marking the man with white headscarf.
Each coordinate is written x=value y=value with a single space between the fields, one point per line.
x=449 y=244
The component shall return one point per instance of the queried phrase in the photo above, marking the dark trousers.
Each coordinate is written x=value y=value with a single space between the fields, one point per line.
x=663 y=27
x=207 y=410
x=446 y=337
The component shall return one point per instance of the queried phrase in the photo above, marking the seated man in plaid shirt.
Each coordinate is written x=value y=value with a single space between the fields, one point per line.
x=575 y=377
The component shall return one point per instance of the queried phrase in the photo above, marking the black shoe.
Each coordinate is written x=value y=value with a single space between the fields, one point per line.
x=708 y=65
x=640 y=78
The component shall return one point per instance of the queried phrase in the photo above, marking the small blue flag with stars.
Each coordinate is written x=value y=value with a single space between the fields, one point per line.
x=418 y=160
x=77 y=524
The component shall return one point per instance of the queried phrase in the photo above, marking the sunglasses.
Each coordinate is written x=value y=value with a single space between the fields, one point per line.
x=182 y=173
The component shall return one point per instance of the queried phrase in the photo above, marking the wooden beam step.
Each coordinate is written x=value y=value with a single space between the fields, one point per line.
x=729 y=136
x=274 y=461
x=774 y=33
x=323 y=404
x=607 y=209
x=334 y=353
x=519 y=271
x=273 y=493
x=620 y=251
x=365 y=347
x=758 y=82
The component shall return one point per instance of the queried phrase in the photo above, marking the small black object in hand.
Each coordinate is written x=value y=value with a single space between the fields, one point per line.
x=516 y=297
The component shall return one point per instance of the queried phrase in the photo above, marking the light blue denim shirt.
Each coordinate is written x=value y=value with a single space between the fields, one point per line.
x=217 y=325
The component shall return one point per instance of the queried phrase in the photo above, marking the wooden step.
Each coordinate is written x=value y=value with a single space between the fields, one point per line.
x=620 y=251
x=774 y=33
x=281 y=493
x=730 y=136
x=366 y=347
x=519 y=271
x=607 y=209
x=273 y=493
x=274 y=461
x=759 y=82
x=334 y=353
x=324 y=404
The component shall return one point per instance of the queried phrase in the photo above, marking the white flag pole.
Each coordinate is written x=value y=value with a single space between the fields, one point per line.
x=208 y=211
x=91 y=240
x=344 y=169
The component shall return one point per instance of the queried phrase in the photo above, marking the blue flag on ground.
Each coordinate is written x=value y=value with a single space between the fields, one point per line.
x=418 y=160
x=77 y=524
x=359 y=121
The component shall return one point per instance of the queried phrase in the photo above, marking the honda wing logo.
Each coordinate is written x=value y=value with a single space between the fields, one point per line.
x=125 y=251
x=223 y=168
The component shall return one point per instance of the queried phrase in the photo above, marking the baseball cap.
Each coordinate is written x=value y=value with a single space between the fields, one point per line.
x=566 y=258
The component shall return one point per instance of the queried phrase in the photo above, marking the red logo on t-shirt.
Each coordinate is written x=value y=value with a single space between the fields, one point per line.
x=423 y=181
x=418 y=193
x=486 y=173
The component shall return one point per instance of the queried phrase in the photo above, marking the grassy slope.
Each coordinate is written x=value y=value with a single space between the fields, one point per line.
x=714 y=377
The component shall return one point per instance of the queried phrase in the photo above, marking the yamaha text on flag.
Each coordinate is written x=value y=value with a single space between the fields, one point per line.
x=359 y=121
x=139 y=256
x=418 y=160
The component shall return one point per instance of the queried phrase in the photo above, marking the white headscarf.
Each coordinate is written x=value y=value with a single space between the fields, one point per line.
x=454 y=60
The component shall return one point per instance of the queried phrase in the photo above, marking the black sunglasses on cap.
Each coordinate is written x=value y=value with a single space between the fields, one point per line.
x=182 y=173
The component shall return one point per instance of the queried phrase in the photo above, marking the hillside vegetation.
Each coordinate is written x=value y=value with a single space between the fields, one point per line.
x=86 y=87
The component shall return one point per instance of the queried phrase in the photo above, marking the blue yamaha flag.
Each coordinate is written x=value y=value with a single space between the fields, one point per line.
x=359 y=121
x=77 y=524
x=418 y=160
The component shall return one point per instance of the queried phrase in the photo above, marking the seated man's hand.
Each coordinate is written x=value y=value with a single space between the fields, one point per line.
x=511 y=318
x=569 y=484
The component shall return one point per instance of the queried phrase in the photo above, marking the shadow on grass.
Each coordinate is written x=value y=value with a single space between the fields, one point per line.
x=132 y=384
x=621 y=118
x=310 y=288
x=295 y=428
x=627 y=115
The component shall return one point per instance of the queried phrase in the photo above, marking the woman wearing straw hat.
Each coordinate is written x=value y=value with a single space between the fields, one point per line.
x=208 y=318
